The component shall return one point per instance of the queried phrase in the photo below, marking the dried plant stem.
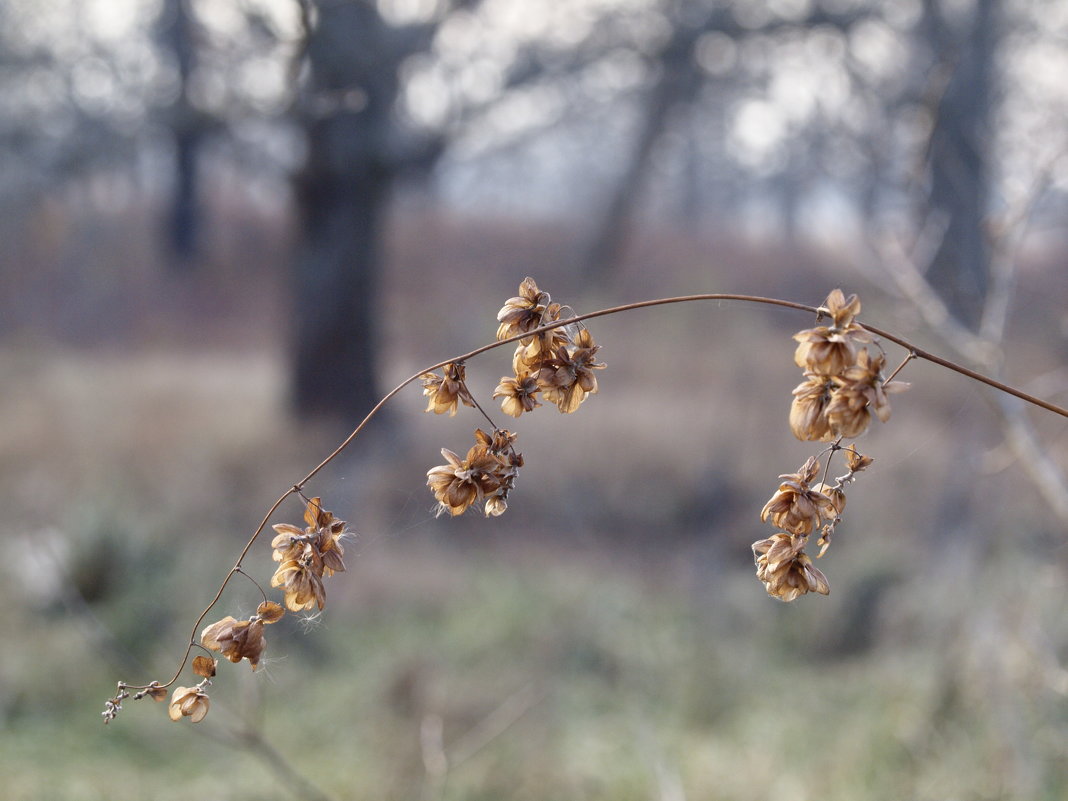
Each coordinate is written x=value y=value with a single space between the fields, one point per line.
x=242 y=571
x=908 y=358
x=913 y=353
x=482 y=411
x=833 y=448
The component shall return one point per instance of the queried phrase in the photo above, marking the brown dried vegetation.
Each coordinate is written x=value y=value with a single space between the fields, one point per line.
x=843 y=389
x=556 y=359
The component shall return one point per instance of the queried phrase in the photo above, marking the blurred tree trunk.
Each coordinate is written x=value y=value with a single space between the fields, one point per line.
x=342 y=194
x=342 y=213
x=176 y=35
x=958 y=155
x=183 y=229
x=356 y=153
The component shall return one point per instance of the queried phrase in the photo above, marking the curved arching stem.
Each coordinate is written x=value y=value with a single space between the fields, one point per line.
x=297 y=488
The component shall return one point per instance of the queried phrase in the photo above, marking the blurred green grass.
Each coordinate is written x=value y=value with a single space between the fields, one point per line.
x=550 y=680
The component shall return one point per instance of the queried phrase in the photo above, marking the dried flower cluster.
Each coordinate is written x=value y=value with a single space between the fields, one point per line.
x=486 y=475
x=242 y=639
x=842 y=390
x=190 y=702
x=843 y=384
x=445 y=392
x=557 y=363
x=306 y=557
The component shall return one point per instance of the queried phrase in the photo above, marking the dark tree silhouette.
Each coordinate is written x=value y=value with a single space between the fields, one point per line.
x=188 y=127
x=357 y=150
x=959 y=153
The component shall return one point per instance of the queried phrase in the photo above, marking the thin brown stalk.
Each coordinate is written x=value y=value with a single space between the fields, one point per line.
x=482 y=411
x=972 y=374
x=908 y=358
x=830 y=451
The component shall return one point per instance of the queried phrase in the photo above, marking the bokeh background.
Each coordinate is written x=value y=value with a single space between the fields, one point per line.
x=229 y=226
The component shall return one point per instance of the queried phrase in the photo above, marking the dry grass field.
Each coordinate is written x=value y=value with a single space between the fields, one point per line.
x=605 y=638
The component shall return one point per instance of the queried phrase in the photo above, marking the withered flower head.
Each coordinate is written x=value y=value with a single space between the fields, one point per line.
x=523 y=313
x=517 y=394
x=462 y=482
x=204 y=666
x=319 y=543
x=487 y=474
x=797 y=507
x=288 y=543
x=445 y=392
x=270 y=612
x=317 y=518
x=568 y=378
x=498 y=443
x=502 y=445
x=301 y=581
x=189 y=702
x=237 y=639
x=307 y=556
x=828 y=350
x=807 y=473
x=836 y=496
x=808 y=411
x=855 y=460
x=785 y=569
x=535 y=349
x=841 y=308
x=859 y=393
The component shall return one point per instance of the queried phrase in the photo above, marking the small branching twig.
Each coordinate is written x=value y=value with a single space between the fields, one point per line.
x=843 y=390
